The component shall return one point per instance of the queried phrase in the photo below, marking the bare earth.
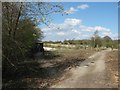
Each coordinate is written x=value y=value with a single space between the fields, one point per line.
x=90 y=74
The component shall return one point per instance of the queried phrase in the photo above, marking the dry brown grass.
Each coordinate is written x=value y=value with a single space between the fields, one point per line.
x=112 y=67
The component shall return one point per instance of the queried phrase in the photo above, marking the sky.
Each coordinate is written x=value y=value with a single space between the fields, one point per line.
x=81 y=20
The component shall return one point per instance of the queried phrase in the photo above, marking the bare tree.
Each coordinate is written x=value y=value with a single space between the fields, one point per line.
x=19 y=22
x=39 y=12
x=96 y=39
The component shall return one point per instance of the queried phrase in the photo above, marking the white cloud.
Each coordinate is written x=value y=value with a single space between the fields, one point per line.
x=70 y=11
x=107 y=33
x=51 y=26
x=112 y=35
x=61 y=33
x=73 y=28
x=89 y=29
x=116 y=36
x=45 y=29
x=99 y=28
x=76 y=31
x=86 y=28
x=72 y=21
x=48 y=33
x=68 y=24
x=92 y=29
x=83 y=6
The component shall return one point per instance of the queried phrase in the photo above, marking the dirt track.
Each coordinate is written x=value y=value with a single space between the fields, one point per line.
x=90 y=74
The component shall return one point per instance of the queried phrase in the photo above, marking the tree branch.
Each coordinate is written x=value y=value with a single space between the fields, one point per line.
x=17 y=21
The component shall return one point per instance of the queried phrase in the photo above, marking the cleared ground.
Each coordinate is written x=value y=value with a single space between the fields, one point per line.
x=92 y=73
x=48 y=69
x=112 y=68
x=80 y=67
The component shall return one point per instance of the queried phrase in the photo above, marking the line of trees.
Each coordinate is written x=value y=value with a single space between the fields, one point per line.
x=94 y=41
x=106 y=41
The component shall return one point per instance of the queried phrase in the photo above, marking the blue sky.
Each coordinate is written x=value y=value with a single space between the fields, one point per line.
x=82 y=20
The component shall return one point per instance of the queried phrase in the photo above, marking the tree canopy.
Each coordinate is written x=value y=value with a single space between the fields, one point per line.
x=20 y=21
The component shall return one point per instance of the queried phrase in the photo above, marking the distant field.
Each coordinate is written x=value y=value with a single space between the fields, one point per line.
x=76 y=46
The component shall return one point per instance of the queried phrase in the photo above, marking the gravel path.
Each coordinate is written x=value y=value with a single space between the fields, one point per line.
x=90 y=74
